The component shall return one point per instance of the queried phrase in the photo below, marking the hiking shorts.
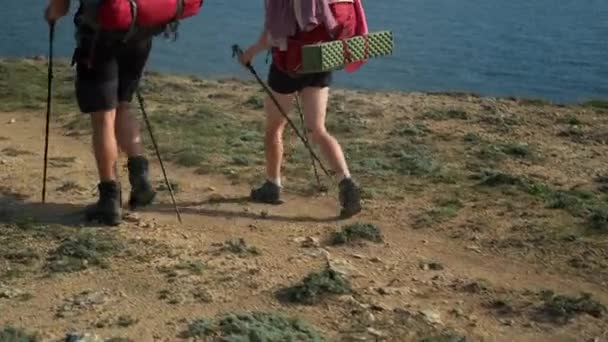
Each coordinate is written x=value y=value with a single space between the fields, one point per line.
x=108 y=72
x=283 y=83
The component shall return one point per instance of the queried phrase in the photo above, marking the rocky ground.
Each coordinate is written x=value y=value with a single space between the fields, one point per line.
x=485 y=220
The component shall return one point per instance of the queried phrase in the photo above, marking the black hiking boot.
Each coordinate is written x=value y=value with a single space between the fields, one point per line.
x=269 y=193
x=107 y=210
x=142 y=193
x=350 y=198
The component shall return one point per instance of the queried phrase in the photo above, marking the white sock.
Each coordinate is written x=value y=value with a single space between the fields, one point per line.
x=275 y=181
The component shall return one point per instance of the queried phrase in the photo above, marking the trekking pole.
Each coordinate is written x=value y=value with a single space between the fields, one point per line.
x=236 y=51
x=160 y=160
x=312 y=159
x=48 y=108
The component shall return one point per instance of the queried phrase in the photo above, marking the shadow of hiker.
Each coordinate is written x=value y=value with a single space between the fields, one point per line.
x=186 y=208
x=17 y=209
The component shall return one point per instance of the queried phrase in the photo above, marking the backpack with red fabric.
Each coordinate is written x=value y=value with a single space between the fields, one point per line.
x=290 y=60
x=131 y=15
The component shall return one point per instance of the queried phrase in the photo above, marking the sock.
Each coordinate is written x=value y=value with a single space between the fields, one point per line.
x=275 y=181
x=343 y=176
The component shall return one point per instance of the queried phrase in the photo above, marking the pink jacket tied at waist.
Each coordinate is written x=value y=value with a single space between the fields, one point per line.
x=284 y=17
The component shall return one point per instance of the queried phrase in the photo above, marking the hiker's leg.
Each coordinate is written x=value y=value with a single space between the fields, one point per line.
x=132 y=59
x=96 y=88
x=104 y=144
x=128 y=131
x=314 y=103
x=273 y=141
x=283 y=87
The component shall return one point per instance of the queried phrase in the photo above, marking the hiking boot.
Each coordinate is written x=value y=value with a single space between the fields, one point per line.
x=142 y=192
x=107 y=209
x=350 y=198
x=268 y=193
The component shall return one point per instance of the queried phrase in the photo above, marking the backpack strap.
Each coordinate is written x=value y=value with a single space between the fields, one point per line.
x=133 y=28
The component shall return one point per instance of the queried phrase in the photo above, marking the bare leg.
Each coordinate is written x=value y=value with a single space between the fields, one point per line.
x=128 y=131
x=314 y=101
x=104 y=144
x=273 y=142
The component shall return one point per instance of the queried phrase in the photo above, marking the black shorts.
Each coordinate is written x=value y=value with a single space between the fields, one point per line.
x=283 y=83
x=108 y=72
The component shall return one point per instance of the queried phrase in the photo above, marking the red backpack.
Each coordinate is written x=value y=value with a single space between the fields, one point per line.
x=291 y=60
x=128 y=15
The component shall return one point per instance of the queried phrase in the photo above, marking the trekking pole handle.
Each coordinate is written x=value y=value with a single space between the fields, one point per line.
x=237 y=52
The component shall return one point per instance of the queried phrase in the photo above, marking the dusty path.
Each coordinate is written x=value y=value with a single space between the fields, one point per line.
x=387 y=275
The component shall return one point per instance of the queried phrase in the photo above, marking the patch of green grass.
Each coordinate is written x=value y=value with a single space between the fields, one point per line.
x=497 y=152
x=415 y=164
x=315 y=287
x=240 y=161
x=23 y=86
x=598 y=220
x=356 y=232
x=497 y=178
x=533 y=102
x=240 y=247
x=598 y=104
x=472 y=137
x=561 y=309
x=518 y=150
x=578 y=203
x=571 y=120
x=417 y=129
x=446 y=209
x=446 y=115
x=254 y=326
x=189 y=158
x=10 y=334
x=83 y=251
x=255 y=102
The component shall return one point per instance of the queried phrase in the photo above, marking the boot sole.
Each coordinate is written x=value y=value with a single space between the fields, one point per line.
x=348 y=213
x=135 y=203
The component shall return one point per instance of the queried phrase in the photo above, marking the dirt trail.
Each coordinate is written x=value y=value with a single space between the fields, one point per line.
x=213 y=213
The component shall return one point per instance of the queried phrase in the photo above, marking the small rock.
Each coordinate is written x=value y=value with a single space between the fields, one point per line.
x=357 y=256
x=264 y=214
x=434 y=266
x=370 y=317
x=375 y=259
x=376 y=333
x=508 y=322
x=9 y=293
x=457 y=312
x=210 y=188
x=348 y=299
x=12 y=121
x=342 y=266
x=379 y=307
x=311 y=242
x=431 y=316
x=474 y=248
